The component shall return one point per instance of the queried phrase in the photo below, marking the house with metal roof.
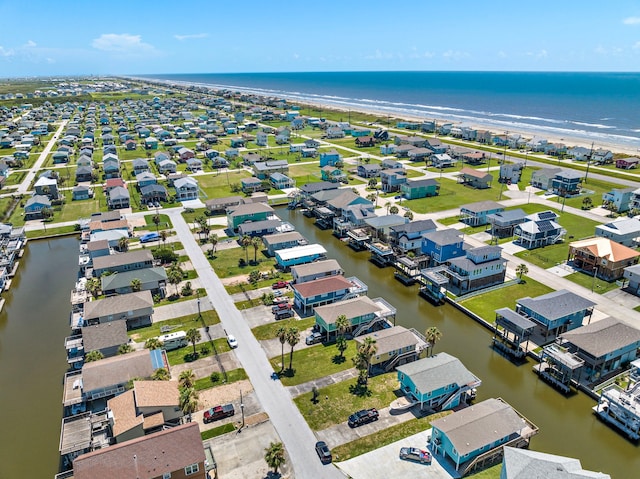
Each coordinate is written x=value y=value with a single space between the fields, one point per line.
x=625 y=231
x=472 y=437
x=527 y=464
x=278 y=241
x=285 y=258
x=260 y=228
x=438 y=382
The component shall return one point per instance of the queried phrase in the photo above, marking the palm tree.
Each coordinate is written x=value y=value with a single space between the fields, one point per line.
x=366 y=350
x=93 y=356
x=156 y=221
x=372 y=183
x=293 y=338
x=587 y=202
x=193 y=336
x=125 y=348
x=281 y=334
x=174 y=276
x=256 y=242
x=387 y=205
x=189 y=401
x=161 y=374
x=123 y=244
x=341 y=345
x=274 y=456
x=394 y=210
x=342 y=326
x=213 y=239
x=136 y=285
x=245 y=241
x=187 y=379
x=93 y=286
x=163 y=236
x=153 y=343
x=521 y=269
x=433 y=335
x=409 y=215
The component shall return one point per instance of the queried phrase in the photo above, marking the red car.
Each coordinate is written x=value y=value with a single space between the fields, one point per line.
x=280 y=284
x=218 y=412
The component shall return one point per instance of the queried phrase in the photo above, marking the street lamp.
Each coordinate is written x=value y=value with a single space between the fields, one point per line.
x=241 y=410
x=198 y=296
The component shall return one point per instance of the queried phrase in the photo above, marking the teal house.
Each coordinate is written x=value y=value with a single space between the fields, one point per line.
x=359 y=311
x=248 y=212
x=414 y=189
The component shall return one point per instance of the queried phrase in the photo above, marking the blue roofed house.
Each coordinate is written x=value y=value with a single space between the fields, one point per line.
x=438 y=382
x=467 y=434
x=443 y=245
x=475 y=214
x=285 y=258
x=618 y=199
x=330 y=158
x=414 y=189
x=34 y=206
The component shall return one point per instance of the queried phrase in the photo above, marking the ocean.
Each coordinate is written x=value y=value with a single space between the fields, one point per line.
x=595 y=107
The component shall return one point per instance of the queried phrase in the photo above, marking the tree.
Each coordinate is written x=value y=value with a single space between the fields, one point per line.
x=189 y=401
x=342 y=326
x=281 y=334
x=156 y=221
x=187 y=379
x=161 y=374
x=136 y=285
x=587 y=203
x=153 y=343
x=372 y=183
x=256 y=242
x=203 y=223
x=245 y=241
x=341 y=345
x=93 y=286
x=433 y=335
x=366 y=350
x=274 y=456
x=394 y=210
x=213 y=239
x=293 y=338
x=93 y=356
x=521 y=269
x=387 y=205
x=125 y=348
x=254 y=277
x=163 y=237
x=174 y=276
x=409 y=215
x=193 y=336
x=123 y=245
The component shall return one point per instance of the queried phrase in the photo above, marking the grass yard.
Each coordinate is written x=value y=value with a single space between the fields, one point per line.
x=597 y=186
x=484 y=305
x=219 y=185
x=209 y=318
x=218 y=431
x=345 y=398
x=596 y=285
x=184 y=355
x=232 y=376
x=452 y=195
x=305 y=173
x=226 y=263
x=386 y=436
x=313 y=363
x=268 y=331
x=57 y=231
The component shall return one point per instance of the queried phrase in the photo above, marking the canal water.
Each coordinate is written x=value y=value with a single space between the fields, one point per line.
x=33 y=325
x=567 y=425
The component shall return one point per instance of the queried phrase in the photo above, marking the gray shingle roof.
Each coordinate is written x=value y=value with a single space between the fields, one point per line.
x=444 y=237
x=116 y=305
x=113 y=260
x=414 y=227
x=391 y=339
x=527 y=464
x=603 y=337
x=123 y=279
x=438 y=371
x=481 y=206
x=104 y=335
x=556 y=304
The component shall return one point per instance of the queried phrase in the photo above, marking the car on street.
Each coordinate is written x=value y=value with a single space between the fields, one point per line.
x=277 y=293
x=313 y=338
x=233 y=342
x=279 y=285
x=323 y=452
x=364 y=416
x=415 y=454
x=218 y=412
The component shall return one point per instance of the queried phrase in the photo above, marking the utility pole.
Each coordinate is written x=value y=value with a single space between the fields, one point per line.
x=586 y=175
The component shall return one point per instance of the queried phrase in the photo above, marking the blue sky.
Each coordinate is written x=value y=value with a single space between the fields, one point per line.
x=140 y=37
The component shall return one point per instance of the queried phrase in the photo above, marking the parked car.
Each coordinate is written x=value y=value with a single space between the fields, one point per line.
x=284 y=314
x=313 y=338
x=323 y=452
x=279 y=285
x=218 y=412
x=277 y=293
x=415 y=454
x=280 y=307
x=233 y=342
x=364 y=416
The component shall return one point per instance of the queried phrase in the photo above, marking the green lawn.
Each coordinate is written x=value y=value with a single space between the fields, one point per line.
x=184 y=355
x=232 y=376
x=485 y=304
x=344 y=398
x=384 y=437
x=268 y=331
x=56 y=231
x=305 y=173
x=219 y=185
x=218 y=431
x=226 y=262
x=452 y=195
x=313 y=363
x=209 y=318
x=594 y=284
x=597 y=186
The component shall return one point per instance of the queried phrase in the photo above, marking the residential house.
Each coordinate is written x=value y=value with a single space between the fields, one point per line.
x=393 y=179
x=280 y=181
x=504 y=223
x=112 y=183
x=521 y=463
x=333 y=174
x=252 y=184
x=185 y=153
x=140 y=165
x=364 y=141
x=395 y=346
x=443 y=245
x=380 y=226
x=632 y=276
x=635 y=201
x=146 y=178
x=485 y=427
x=260 y=228
x=414 y=189
x=81 y=192
x=186 y=188
x=625 y=231
x=153 y=193
x=603 y=256
x=118 y=263
x=510 y=173
x=34 y=206
x=194 y=164
x=408 y=237
x=111 y=167
x=474 y=178
x=247 y=212
x=46 y=186
x=130 y=144
x=220 y=205
x=334 y=132
x=419 y=154
x=442 y=160
x=151 y=279
x=318 y=269
x=167 y=167
x=330 y=158
x=618 y=199
x=475 y=214
x=134 y=308
x=60 y=156
x=439 y=382
x=119 y=198
x=435 y=145
x=556 y=312
x=627 y=163
x=321 y=291
x=285 y=258
x=105 y=338
x=263 y=169
x=388 y=149
x=369 y=170
x=567 y=183
x=538 y=230
x=362 y=313
x=403 y=150
x=279 y=241
x=543 y=178
x=602 y=156
x=391 y=164
x=261 y=138
x=482 y=267
x=618 y=405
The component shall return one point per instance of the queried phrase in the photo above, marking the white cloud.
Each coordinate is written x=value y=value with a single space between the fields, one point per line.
x=30 y=44
x=455 y=55
x=296 y=56
x=631 y=21
x=379 y=55
x=191 y=36
x=6 y=52
x=502 y=54
x=122 y=43
x=636 y=46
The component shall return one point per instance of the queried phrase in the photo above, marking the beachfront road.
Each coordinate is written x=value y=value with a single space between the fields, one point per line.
x=293 y=430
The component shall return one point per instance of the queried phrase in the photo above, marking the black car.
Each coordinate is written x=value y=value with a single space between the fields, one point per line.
x=323 y=452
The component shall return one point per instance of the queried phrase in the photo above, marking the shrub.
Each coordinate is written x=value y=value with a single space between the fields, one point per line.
x=215 y=377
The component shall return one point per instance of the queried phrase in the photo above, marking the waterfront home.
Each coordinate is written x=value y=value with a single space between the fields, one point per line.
x=632 y=276
x=556 y=312
x=362 y=312
x=153 y=192
x=332 y=174
x=395 y=346
x=521 y=463
x=118 y=263
x=408 y=237
x=443 y=245
x=182 y=456
x=278 y=241
x=438 y=382
x=145 y=409
x=81 y=192
x=543 y=178
x=475 y=178
x=151 y=279
x=479 y=433
x=414 y=189
x=119 y=198
x=567 y=183
x=186 y=188
x=620 y=407
x=602 y=256
x=504 y=223
x=625 y=231
x=220 y=205
x=260 y=228
x=538 y=230
x=627 y=163
x=34 y=206
x=481 y=268
x=618 y=199
x=280 y=181
x=285 y=258
x=606 y=346
x=318 y=269
x=104 y=337
x=263 y=169
x=340 y=200
x=330 y=158
x=369 y=170
x=393 y=179
x=134 y=308
x=475 y=214
x=327 y=290
x=247 y=212
x=252 y=184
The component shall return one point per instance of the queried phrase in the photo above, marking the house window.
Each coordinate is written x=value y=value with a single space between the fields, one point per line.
x=166 y=475
x=191 y=469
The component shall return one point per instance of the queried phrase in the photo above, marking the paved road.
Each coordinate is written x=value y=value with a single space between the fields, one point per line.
x=298 y=439
x=24 y=186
